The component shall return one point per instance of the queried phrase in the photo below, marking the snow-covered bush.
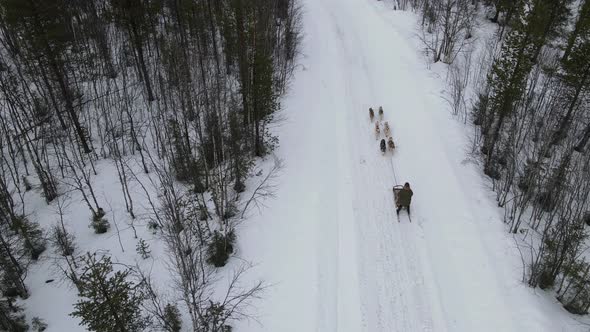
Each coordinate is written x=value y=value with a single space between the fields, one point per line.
x=239 y=186
x=32 y=235
x=109 y=301
x=220 y=247
x=99 y=222
x=38 y=324
x=216 y=314
x=153 y=226
x=143 y=249
x=172 y=320
x=63 y=240
x=11 y=317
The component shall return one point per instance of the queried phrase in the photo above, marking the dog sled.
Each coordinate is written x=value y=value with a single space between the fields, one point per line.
x=396 y=190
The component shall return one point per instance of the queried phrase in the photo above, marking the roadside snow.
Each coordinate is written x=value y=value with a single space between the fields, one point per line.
x=53 y=301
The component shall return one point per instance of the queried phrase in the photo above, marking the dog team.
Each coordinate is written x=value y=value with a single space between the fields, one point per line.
x=386 y=131
x=402 y=195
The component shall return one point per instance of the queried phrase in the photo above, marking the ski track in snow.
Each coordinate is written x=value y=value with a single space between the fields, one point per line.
x=332 y=240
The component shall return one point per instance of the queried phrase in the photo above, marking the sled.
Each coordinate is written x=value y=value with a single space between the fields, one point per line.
x=396 y=190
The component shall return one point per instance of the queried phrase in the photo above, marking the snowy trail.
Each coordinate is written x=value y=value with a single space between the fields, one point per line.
x=399 y=290
x=331 y=243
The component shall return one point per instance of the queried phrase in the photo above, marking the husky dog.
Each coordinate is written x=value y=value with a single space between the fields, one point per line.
x=386 y=129
x=382 y=146
x=371 y=114
x=380 y=113
x=377 y=130
x=390 y=144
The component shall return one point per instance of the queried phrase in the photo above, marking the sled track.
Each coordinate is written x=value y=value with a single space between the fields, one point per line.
x=395 y=296
x=392 y=271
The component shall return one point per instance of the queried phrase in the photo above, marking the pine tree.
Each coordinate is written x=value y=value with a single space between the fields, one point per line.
x=99 y=223
x=38 y=324
x=136 y=16
x=182 y=161
x=507 y=83
x=575 y=77
x=12 y=265
x=32 y=236
x=504 y=6
x=44 y=28
x=11 y=317
x=581 y=28
x=172 y=318
x=530 y=31
x=143 y=249
x=63 y=240
x=110 y=303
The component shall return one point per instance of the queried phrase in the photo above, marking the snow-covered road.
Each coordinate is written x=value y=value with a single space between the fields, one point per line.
x=330 y=243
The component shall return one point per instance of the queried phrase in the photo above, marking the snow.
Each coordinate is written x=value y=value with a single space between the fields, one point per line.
x=53 y=302
x=330 y=243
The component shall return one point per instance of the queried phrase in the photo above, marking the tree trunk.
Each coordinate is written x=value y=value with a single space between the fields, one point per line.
x=582 y=144
x=563 y=126
x=139 y=48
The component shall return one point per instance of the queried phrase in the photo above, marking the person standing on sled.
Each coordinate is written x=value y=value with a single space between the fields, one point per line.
x=404 y=198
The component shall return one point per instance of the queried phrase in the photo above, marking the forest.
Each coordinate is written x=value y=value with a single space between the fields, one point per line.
x=519 y=74
x=177 y=97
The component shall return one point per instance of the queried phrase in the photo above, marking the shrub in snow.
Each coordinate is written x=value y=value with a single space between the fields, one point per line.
x=523 y=183
x=32 y=236
x=199 y=187
x=574 y=290
x=230 y=212
x=143 y=249
x=203 y=213
x=172 y=318
x=531 y=170
x=501 y=159
x=27 y=184
x=587 y=218
x=492 y=170
x=63 y=240
x=109 y=302
x=546 y=201
x=270 y=143
x=575 y=309
x=11 y=317
x=182 y=163
x=153 y=226
x=546 y=280
x=577 y=298
x=239 y=186
x=99 y=222
x=216 y=314
x=38 y=324
x=220 y=247
x=479 y=109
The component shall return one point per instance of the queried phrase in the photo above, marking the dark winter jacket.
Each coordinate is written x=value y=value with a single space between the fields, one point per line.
x=404 y=197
